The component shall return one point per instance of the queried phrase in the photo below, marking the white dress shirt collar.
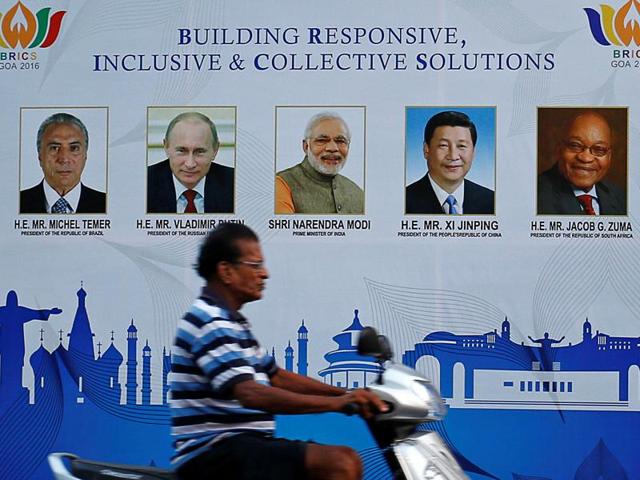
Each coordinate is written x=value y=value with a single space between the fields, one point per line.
x=594 y=196
x=443 y=194
x=72 y=196
x=181 y=202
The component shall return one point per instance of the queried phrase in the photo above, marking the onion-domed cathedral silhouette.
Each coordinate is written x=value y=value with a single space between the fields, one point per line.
x=97 y=376
x=76 y=392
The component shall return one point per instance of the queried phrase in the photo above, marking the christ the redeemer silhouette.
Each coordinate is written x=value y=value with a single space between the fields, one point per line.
x=12 y=320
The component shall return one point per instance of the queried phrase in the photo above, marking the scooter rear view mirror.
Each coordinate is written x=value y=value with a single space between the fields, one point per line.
x=385 y=348
x=373 y=345
x=369 y=343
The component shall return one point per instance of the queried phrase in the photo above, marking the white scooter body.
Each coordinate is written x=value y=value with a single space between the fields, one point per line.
x=423 y=455
x=413 y=400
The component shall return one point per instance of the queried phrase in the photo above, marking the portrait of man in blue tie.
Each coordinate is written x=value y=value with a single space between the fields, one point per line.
x=582 y=158
x=62 y=143
x=189 y=179
x=449 y=146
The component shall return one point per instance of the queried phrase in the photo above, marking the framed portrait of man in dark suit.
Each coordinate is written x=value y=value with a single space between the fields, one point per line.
x=63 y=160
x=450 y=160
x=582 y=161
x=191 y=159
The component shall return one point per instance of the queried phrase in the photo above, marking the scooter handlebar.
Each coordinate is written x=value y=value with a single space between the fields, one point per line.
x=351 y=409
x=354 y=408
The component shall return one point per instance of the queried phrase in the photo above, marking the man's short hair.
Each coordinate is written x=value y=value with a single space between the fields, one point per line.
x=449 y=118
x=60 y=118
x=322 y=116
x=195 y=116
x=221 y=245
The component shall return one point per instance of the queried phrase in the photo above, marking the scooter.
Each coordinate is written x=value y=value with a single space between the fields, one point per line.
x=410 y=454
x=412 y=400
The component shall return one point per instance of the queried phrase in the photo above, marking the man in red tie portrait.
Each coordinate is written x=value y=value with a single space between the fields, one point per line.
x=578 y=183
x=189 y=180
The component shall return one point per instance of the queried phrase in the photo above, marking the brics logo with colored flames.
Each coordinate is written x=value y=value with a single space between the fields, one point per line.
x=21 y=28
x=618 y=28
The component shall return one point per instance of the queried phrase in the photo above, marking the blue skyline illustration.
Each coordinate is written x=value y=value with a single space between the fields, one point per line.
x=593 y=374
x=77 y=391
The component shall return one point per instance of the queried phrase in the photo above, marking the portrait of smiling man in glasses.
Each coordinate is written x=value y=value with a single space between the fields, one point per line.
x=578 y=183
x=315 y=185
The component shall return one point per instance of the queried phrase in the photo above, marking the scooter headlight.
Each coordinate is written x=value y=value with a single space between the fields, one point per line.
x=430 y=395
x=433 y=473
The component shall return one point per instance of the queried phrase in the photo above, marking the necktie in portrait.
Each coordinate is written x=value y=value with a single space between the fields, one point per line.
x=452 y=202
x=587 y=204
x=61 y=206
x=190 y=196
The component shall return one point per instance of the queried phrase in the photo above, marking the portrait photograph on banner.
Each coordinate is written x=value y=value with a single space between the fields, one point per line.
x=63 y=150
x=320 y=160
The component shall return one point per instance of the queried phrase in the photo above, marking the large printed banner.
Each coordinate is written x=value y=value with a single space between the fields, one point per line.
x=460 y=175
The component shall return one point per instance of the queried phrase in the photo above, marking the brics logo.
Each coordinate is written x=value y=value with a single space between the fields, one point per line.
x=619 y=28
x=21 y=28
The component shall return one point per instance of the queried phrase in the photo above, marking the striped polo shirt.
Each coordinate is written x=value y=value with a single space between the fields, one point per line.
x=214 y=350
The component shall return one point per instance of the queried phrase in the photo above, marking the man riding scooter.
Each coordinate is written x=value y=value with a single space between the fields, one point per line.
x=225 y=389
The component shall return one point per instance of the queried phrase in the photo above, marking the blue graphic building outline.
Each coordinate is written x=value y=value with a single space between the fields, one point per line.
x=525 y=376
x=347 y=368
x=96 y=394
x=99 y=375
x=74 y=394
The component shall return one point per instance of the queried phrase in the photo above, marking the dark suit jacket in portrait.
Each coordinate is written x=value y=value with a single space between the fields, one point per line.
x=421 y=198
x=33 y=200
x=556 y=197
x=161 y=192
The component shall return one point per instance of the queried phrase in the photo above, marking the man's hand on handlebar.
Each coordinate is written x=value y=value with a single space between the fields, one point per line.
x=362 y=402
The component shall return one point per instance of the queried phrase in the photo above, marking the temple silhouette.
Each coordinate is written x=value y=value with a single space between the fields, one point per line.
x=347 y=368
